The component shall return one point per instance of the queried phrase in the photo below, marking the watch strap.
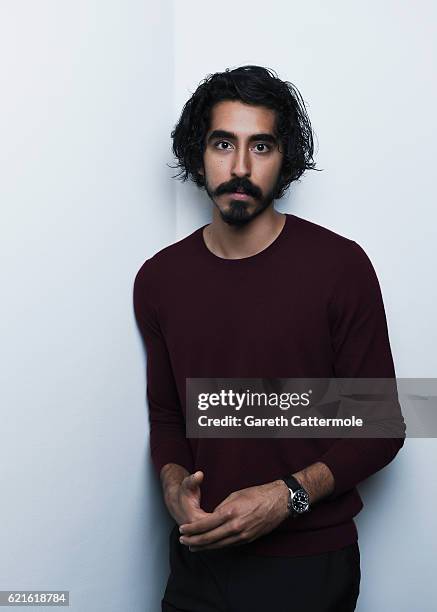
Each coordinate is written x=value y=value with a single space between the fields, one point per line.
x=292 y=483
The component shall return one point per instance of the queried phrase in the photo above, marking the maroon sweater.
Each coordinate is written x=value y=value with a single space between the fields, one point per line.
x=308 y=305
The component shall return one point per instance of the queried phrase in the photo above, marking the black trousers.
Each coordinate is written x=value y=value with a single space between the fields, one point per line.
x=230 y=580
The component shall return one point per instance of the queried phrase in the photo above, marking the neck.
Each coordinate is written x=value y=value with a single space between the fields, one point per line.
x=235 y=242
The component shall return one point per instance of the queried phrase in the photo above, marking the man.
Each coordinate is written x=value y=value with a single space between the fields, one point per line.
x=261 y=523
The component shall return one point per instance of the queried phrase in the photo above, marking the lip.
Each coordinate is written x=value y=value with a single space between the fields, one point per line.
x=239 y=196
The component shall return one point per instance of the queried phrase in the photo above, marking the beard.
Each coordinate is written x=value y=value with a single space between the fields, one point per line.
x=241 y=212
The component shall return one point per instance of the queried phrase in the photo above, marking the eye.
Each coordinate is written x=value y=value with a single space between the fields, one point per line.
x=262 y=144
x=222 y=142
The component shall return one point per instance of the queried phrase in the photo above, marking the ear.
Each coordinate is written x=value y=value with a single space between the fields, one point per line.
x=201 y=171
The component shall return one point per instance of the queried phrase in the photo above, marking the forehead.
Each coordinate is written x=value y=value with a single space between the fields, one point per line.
x=240 y=118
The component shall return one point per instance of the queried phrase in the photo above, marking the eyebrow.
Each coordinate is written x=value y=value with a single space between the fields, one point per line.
x=266 y=137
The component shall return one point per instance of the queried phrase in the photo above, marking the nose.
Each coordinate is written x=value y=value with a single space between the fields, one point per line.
x=241 y=163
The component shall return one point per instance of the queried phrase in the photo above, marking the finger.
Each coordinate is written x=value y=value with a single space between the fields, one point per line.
x=194 y=514
x=229 y=542
x=202 y=525
x=193 y=480
x=210 y=537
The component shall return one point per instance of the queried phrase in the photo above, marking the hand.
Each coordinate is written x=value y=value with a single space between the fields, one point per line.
x=242 y=517
x=183 y=500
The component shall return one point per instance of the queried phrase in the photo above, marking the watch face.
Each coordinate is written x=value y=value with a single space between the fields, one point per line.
x=300 y=501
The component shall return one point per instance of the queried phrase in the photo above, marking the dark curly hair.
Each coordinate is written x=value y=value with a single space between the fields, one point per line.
x=252 y=85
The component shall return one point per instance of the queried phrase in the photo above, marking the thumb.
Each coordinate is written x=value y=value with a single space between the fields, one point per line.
x=194 y=480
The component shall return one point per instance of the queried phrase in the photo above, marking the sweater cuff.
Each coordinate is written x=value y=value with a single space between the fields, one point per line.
x=172 y=451
x=342 y=468
x=353 y=460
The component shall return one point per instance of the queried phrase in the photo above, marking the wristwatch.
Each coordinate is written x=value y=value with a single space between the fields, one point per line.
x=299 y=501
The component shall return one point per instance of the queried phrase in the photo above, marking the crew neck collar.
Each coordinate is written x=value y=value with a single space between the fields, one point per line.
x=269 y=250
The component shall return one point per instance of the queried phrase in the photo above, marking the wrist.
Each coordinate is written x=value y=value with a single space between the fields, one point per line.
x=172 y=476
x=171 y=492
x=283 y=496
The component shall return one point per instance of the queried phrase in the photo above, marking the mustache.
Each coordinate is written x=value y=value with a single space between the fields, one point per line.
x=237 y=184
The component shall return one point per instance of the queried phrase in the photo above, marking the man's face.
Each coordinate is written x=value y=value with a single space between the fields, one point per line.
x=241 y=155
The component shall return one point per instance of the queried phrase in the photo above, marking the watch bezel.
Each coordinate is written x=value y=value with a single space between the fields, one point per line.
x=299 y=510
x=294 y=487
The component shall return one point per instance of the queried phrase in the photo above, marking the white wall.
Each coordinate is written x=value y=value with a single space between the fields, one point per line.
x=365 y=71
x=84 y=122
x=90 y=93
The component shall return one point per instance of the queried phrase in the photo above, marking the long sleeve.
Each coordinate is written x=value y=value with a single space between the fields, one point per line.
x=168 y=442
x=361 y=349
